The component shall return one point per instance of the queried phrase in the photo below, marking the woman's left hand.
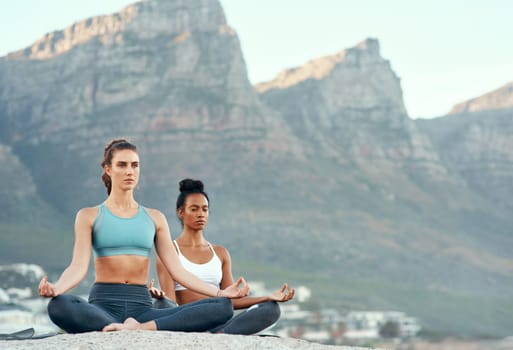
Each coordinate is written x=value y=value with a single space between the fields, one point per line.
x=236 y=290
x=285 y=293
x=155 y=292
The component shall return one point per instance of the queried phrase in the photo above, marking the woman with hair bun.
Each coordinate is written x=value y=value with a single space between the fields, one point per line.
x=121 y=232
x=212 y=264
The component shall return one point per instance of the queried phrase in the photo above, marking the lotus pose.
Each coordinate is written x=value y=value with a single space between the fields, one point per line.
x=122 y=232
x=212 y=264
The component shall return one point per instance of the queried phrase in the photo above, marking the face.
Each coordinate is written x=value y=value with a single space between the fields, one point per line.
x=194 y=214
x=124 y=169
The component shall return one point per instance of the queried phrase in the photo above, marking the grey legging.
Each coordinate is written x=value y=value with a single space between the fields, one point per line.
x=112 y=302
x=250 y=321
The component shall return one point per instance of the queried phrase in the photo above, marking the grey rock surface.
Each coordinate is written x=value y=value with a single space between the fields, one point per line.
x=164 y=340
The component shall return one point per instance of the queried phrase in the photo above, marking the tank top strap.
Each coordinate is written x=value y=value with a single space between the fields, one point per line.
x=211 y=248
x=177 y=247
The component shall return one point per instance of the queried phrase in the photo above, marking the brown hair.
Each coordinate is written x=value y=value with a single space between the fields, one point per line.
x=108 y=154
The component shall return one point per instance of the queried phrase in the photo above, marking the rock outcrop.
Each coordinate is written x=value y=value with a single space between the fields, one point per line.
x=164 y=340
x=348 y=108
x=474 y=141
x=167 y=74
x=17 y=182
x=502 y=98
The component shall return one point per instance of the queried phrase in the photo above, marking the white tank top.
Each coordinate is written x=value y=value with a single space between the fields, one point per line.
x=210 y=272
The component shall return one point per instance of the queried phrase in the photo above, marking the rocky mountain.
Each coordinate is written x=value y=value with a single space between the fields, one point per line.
x=349 y=106
x=170 y=75
x=474 y=141
x=499 y=99
x=318 y=176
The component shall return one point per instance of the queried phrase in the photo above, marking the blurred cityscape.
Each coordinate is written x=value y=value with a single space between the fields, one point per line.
x=21 y=308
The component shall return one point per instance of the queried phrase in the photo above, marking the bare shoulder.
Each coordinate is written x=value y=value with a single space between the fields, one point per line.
x=221 y=251
x=157 y=216
x=87 y=214
x=154 y=213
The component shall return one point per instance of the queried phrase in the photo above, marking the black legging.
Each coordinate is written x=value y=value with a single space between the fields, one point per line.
x=250 y=321
x=112 y=302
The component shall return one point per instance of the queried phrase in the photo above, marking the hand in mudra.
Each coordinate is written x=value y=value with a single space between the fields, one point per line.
x=155 y=292
x=238 y=289
x=46 y=289
x=285 y=293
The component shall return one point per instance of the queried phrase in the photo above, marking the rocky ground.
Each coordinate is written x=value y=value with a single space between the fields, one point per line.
x=164 y=340
x=453 y=344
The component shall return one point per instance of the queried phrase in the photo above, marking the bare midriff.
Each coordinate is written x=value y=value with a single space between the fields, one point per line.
x=127 y=269
x=188 y=296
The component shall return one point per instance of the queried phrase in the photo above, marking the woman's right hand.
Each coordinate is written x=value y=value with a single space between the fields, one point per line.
x=238 y=289
x=46 y=289
x=155 y=292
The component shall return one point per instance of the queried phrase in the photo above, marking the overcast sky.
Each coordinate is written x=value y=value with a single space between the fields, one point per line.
x=444 y=51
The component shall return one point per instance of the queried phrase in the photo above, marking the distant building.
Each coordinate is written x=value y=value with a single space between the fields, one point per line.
x=303 y=294
x=366 y=324
x=319 y=336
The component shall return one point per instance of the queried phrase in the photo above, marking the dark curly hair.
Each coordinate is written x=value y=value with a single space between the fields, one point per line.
x=187 y=187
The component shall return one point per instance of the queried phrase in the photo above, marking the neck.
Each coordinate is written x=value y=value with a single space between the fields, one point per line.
x=192 y=237
x=122 y=200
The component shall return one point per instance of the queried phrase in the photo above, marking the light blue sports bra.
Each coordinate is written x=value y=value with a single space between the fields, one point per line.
x=113 y=235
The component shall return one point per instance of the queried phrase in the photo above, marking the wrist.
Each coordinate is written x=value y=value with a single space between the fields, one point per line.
x=218 y=294
x=56 y=290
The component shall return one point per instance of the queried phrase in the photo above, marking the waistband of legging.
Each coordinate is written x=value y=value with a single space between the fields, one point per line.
x=106 y=284
x=119 y=291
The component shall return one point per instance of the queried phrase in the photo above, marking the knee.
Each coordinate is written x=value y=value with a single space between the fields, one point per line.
x=59 y=307
x=58 y=303
x=226 y=308
x=271 y=309
x=274 y=307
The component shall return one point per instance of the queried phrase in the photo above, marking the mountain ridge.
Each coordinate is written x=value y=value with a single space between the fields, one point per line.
x=501 y=98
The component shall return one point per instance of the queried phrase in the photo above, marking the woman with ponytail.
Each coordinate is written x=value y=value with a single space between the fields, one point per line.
x=212 y=264
x=121 y=233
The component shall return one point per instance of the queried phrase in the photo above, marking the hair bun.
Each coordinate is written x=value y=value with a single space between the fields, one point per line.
x=189 y=185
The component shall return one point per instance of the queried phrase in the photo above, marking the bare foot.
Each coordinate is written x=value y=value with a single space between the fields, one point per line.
x=132 y=324
x=129 y=324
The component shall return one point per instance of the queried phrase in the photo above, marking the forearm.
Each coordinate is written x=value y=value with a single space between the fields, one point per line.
x=245 y=302
x=190 y=281
x=69 y=279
